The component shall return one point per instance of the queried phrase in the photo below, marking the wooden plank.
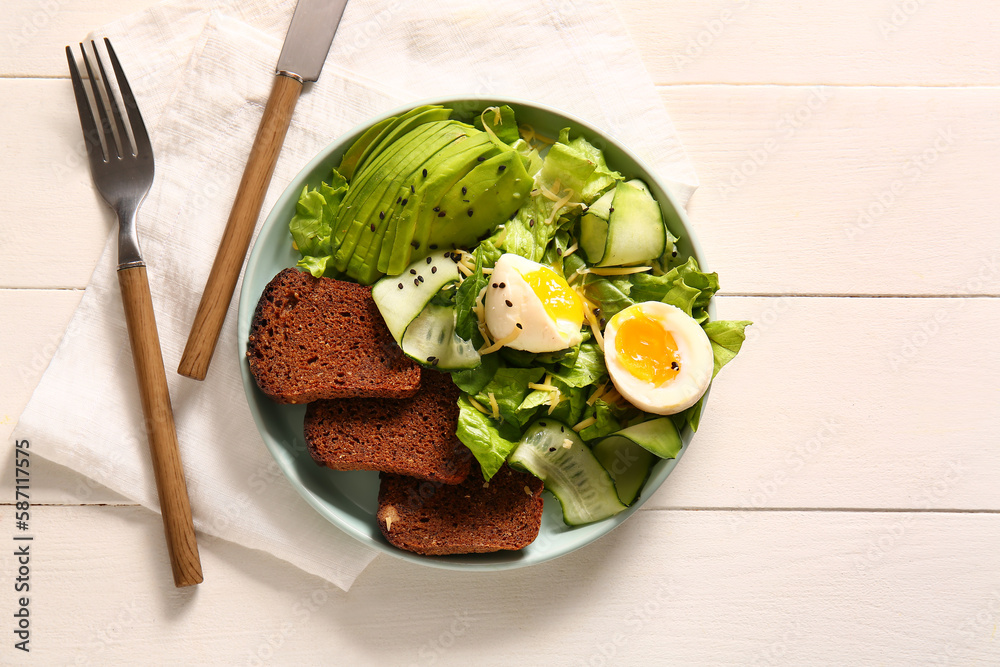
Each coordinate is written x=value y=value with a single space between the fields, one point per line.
x=672 y=588
x=834 y=402
x=855 y=42
x=55 y=223
x=823 y=210
x=833 y=190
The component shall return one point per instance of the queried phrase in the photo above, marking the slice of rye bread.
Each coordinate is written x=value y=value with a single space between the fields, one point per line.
x=471 y=517
x=412 y=436
x=314 y=338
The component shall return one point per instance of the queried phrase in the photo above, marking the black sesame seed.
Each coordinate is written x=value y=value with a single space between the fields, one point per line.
x=434 y=269
x=480 y=158
x=428 y=260
x=436 y=209
x=420 y=278
x=400 y=285
x=431 y=358
x=562 y=430
x=412 y=190
x=603 y=322
x=381 y=215
x=372 y=226
x=514 y=214
x=415 y=244
x=433 y=246
x=399 y=199
x=552 y=449
x=465 y=190
x=509 y=304
x=611 y=209
x=425 y=173
x=469 y=212
x=531 y=223
x=494 y=285
x=674 y=366
x=413 y=272
x=501 y=167
x=416 y=282
x=404 y=201
x=442 y=214
x=559 y=251
x=673 y=254
x=435 y=362
x=502 y=285
x=597 y=311
x=518 y=325
x=542 y=424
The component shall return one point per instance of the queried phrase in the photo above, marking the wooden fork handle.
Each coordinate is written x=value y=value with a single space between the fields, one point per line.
x=239 y=228
x=170 y=486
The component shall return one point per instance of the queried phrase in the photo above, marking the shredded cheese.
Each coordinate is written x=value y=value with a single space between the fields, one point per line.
x=556 y=399
x=478 y=406
x=619 y=271
x=595 y=327
x=597 y=393
x=498 y=241
x=466 y=271
x=494 y=406
x=500 y=342
x=542 y=387
x=590 y=421
x=570 y=250
x=567 y=443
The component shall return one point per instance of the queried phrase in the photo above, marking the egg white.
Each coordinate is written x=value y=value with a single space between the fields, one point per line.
x=511 y=301
x=696 y=361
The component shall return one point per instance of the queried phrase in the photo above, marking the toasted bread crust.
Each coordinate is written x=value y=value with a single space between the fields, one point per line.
x=471 y=517
x=413 y=436
x=319 y=338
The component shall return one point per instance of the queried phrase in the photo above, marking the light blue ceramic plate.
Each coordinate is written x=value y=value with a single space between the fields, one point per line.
x=349 y=499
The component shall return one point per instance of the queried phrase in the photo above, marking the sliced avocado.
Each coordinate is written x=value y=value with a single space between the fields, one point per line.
x=488 y=195
x=396 y=169
x=349 y=161
x=352 y=212
x=391 y=131
x=442 y=170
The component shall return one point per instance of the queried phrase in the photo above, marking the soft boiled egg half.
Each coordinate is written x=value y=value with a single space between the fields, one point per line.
x=659 y=358
x=531 y=307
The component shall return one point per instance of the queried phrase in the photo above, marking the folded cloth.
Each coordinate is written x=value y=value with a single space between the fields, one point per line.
x=201 y=73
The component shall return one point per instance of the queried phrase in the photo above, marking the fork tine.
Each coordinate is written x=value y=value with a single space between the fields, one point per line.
x=139 y=133
x=109 y=138
x=113 y=103
x=90 y=136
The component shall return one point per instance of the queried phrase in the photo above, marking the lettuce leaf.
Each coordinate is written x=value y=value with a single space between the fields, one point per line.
x=312 y=223
x=509 y=387
x=727 y=338
x=606 y=424
x=483 y=438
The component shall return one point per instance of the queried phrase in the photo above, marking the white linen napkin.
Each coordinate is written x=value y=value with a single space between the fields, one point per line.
x=201 y=73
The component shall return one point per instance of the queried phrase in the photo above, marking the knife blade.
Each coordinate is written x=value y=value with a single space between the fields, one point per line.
x=307 y=43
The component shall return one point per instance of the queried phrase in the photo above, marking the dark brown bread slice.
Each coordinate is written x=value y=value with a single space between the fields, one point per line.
x=413 y=436
x=314 y=338
x=471 y=517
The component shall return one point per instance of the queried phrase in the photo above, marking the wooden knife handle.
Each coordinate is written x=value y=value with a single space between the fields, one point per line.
x=239 y=228
x=170 y=486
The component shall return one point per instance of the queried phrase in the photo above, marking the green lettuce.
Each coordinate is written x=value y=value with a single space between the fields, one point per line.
x=480 y=434
x=312 y=224
x=509 y=387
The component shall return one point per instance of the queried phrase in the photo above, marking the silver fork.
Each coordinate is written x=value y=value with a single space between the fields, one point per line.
x=123 y=174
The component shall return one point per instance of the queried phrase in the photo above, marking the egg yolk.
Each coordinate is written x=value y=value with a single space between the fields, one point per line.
x=647 y=350
x=558 y=298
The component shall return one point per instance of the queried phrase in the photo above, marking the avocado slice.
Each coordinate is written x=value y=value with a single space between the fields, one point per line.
x=408 y=121
x=382 y=182
x=488 y=195
x=349 y=161
x=352 y=213
x=443 y=169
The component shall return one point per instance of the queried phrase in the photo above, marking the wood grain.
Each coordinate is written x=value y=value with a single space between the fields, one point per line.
x=666 y=588
x=239 y=228
x=159 y=418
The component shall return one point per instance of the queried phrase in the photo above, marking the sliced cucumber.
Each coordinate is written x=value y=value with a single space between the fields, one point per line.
x=627 y=463
x=658 y=436
x=424 y=331
x=555 y=454
x=431 y=340
x=629 y=231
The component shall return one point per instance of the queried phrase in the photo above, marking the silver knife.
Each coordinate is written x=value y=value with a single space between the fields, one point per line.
x=307 y=44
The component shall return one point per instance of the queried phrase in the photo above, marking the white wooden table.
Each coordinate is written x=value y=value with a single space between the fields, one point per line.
x=840 y=505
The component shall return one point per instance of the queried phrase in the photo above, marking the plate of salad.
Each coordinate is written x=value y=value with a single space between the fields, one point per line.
x=542 y=265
